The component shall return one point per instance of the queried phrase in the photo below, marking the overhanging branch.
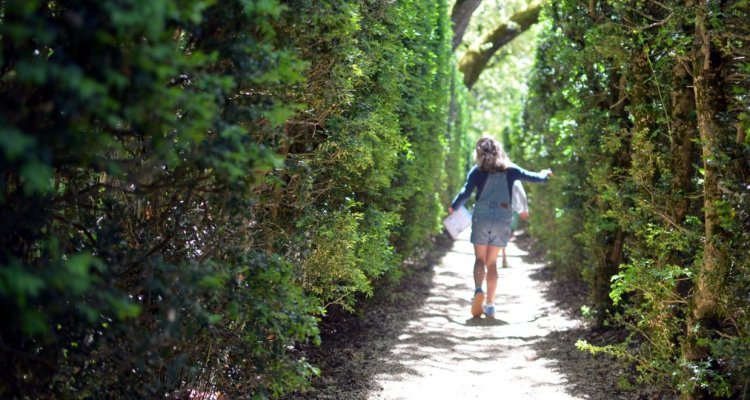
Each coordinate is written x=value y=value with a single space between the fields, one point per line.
x=461 y=15
x=476 y=58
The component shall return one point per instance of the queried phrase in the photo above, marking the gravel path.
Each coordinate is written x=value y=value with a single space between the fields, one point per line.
x=419 y=341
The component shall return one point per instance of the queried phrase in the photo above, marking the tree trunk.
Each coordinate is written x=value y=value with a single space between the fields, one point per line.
x=461 y=16
x=705 y=310
x=475 y=60
x=682 y=146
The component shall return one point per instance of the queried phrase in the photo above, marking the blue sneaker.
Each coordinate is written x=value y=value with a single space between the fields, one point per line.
x=489 y=310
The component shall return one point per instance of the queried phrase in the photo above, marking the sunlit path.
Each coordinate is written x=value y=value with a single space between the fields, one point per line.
x=443 y=353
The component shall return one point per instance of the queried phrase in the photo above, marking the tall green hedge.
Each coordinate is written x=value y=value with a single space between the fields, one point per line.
x=642 y=110
x=186 y=185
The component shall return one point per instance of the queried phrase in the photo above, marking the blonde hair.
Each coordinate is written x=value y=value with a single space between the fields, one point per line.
x=489 y=155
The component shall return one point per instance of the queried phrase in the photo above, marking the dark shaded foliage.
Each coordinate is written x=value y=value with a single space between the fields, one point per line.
x=187 y=184
x=650 y=202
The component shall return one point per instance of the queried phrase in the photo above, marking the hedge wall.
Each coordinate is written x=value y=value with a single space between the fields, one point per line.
x=187 y=184
x=642 y=109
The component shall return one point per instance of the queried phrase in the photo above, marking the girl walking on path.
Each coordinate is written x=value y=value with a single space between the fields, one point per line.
x=493 y=177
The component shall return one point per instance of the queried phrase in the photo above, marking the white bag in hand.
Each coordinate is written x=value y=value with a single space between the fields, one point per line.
x=458 y=221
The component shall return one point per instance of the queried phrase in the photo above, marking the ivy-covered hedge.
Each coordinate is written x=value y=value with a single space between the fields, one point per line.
x=186 y=185
x=642 y=109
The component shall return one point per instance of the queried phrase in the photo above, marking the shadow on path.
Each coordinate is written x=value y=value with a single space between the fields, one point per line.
x=416 y=340
x=592 y=377
x=350 y=355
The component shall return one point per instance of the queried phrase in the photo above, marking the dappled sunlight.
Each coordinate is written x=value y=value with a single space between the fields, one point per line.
x=444 y=353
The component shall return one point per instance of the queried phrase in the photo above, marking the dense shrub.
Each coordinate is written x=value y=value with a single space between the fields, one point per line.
x=187 y=184
x=644 y=110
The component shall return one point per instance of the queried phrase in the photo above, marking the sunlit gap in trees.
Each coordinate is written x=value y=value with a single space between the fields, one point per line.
x=497 y=100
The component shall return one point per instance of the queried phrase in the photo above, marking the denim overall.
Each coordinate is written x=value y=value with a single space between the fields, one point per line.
x=490 y=224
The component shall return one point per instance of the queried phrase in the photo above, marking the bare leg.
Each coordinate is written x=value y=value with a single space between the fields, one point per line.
x=491 y=272
x=505 y=260
x=480 y=251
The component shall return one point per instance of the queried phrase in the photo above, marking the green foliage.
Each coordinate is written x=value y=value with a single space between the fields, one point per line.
x=186 y=185
x=347 y=252
x=611 y=106
x=458 y=155
x=423 y=115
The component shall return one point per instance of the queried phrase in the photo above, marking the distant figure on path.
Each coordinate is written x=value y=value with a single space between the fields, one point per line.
x=493 y=177
x=520 y=212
